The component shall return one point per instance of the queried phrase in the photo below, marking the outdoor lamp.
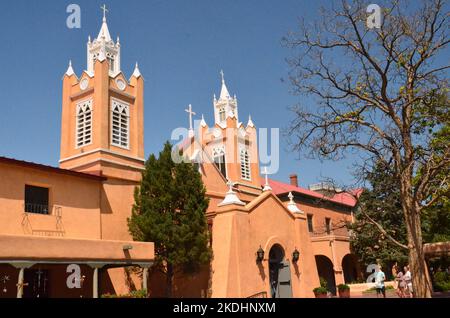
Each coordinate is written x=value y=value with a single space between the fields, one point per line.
x=127 y=247
x=260 y=255
x=295 y=255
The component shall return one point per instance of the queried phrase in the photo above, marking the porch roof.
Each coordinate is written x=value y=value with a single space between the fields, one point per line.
x=37 y=249
x=436 y=249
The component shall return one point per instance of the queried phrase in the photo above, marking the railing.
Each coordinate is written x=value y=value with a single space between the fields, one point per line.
x=36 y=208
x=333 y=232
x=259 y=295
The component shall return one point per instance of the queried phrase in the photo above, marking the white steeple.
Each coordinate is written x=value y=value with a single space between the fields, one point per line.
x=224 y=94
x=103 y=47
x=104 y=31
x=225 y=106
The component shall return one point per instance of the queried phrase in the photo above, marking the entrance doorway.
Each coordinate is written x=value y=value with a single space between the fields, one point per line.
x=279 y=273
x=38 y=283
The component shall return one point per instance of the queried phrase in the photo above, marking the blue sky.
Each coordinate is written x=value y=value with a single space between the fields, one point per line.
x=180 y=45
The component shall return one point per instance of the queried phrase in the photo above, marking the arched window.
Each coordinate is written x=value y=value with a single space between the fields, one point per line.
x=245 y=165
x=111 y=59
x=219 y=160
x=222 y=114
x=84 y=123
x=119 y=124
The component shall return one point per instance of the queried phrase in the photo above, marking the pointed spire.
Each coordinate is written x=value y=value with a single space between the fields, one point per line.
x=292 y=206
x=136 y=72
x=118 y=41
x=104 y=32
x=224 y=94
x=89 y=39
x=203 y=122
x=250 y=122
x=231 y=197
x=70 y=71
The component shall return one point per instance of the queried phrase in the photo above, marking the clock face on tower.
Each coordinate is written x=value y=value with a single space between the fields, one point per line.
x=84 y=84
x=121 y=84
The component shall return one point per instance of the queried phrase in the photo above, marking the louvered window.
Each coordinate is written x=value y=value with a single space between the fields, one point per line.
x=245 y=165
x=84 y=123
x=120 y=124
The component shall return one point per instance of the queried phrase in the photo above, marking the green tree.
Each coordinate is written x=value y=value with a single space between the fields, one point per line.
x=170 y=210
x=380 y=202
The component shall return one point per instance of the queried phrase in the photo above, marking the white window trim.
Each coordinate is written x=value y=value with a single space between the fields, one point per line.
x=218 y=152
x=76 y=123
x=127 y=105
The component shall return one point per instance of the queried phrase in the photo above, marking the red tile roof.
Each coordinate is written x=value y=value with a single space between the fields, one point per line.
x=280 y=188
x=38 y=166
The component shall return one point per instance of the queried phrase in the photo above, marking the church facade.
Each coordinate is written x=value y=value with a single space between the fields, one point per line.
x=63 y=230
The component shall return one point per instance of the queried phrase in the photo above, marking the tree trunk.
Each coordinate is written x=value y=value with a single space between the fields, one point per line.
x=169 y=280
x=419 y=271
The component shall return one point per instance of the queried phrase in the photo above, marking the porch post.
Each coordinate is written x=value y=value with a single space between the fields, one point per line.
x=95 y=283
x=145 y=279
x=20 y=282
x=20 y=279
x=96 y=267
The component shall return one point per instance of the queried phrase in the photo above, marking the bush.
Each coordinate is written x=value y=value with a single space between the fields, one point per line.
x=323 y=283
x=442 y=281
x=320 y=290
x=133 y=294
x=343 y=287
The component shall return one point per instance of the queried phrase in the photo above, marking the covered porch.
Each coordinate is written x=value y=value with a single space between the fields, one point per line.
x=34 y=266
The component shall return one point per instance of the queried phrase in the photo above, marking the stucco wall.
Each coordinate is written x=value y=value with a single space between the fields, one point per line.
x=79 y=199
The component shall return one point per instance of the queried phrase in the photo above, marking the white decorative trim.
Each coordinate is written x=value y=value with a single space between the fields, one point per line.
x=231 y=197
x=84 y=104
x=123 y=106
x=108 y=161
x=292 y=206
x=70 y=71
x=101 y=150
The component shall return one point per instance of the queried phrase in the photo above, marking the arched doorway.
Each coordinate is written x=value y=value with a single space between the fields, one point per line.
x=279 y=273
x=326 y=271
x=350 y=268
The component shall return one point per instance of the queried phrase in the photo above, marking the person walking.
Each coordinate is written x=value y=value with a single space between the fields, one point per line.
x=379 y=282
x=401 y=284
x=408 y=281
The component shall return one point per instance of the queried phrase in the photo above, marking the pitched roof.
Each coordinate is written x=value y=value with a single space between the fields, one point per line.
x=38 y=166
x=281 y=188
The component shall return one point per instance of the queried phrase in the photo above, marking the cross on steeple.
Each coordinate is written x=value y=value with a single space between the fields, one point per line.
x=267 y=185
x=191 y=113
x=104 y=11
x=223 y=76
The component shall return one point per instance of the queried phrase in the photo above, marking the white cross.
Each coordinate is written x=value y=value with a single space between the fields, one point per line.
x=230 y=184
x=264 y=171
x=191 y=113
x=223 y=76
x=104 y=11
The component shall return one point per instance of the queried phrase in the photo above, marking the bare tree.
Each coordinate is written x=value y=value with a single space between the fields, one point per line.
x=380 y=92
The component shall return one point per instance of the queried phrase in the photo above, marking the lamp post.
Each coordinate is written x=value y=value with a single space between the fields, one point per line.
x=295 y=255
x=260 y=255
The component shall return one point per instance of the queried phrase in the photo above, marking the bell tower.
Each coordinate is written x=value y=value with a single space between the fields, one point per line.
x=102 y=128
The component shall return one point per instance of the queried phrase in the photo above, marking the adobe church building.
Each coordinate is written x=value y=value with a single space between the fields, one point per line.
x=269 y=238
